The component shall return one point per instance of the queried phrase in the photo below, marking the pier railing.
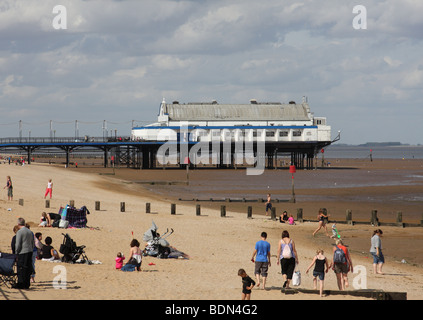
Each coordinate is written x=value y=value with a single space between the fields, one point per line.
x=86 y=139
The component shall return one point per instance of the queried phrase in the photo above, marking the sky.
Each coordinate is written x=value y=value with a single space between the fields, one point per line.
x=112 y=62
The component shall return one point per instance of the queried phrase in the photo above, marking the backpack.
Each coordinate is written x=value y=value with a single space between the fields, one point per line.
x=286 y=252
x=339 y=256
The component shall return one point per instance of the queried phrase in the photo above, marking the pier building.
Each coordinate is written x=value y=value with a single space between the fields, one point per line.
x=271 y=128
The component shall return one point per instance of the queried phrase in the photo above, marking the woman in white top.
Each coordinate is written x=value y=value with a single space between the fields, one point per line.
x=376 y=251
x=135 y=257
x=49 y=189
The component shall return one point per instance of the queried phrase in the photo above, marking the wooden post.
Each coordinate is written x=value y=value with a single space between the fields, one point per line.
x=21 y=202
x=249 y=212
x=349 y=216
x=173 y=209
x=300 y=215
x=72 y=203
x=399 y=217
x=273 y=213
x=47 y=203
x=97 y=205
x=374 y=220
x=147 y=207
x=223 y=211
x=198 y=210
x=122 y=207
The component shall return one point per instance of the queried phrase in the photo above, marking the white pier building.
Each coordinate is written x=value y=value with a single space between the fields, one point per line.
x=285 y=128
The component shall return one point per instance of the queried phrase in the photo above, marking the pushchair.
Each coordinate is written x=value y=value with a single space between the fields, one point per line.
x=71 y=252
x=157 y=245
x=8 y=269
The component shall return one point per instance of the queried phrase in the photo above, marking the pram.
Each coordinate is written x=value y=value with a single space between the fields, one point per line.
x=157 y=246
x=71 y=252
x=8 y=269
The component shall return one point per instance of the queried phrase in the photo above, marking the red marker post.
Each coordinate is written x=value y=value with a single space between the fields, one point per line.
x=292 y=170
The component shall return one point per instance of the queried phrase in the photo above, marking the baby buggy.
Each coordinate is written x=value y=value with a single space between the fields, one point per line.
x=71 y=252
x=157 y=246
x=8 y=273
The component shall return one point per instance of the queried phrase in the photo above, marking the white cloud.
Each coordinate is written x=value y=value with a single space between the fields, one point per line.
x=127 y=55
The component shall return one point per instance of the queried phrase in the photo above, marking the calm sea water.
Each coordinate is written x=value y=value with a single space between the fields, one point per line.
x=378 y=152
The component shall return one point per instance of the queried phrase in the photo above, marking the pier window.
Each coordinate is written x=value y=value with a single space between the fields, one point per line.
x=283 y=133
x=296 y=133
x=257 y=134
x=270 y=133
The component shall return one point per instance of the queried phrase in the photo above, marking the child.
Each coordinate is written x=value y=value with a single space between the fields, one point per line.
x=247 y=284
x=335 y=233
x=119 y=260
x=291 y=220
x=319 y=262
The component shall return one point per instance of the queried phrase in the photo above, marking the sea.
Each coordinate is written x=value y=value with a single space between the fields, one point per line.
x=376 y=152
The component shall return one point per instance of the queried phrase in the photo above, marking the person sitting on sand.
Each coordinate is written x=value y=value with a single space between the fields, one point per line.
x=47 y=218
x=283 y=217
x=119 y=260
x=48 y=253
x=135 y=257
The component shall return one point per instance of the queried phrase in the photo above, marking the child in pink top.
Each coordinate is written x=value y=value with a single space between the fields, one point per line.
x=119 y=260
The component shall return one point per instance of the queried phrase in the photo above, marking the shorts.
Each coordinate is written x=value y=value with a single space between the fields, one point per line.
x=321 y=275
x=288 y=267
x=378 y=259
x=341 y=268
x=261 y=268
x=268 y=206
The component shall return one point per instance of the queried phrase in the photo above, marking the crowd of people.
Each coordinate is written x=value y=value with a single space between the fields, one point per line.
x=28 y=247
x=288 y=259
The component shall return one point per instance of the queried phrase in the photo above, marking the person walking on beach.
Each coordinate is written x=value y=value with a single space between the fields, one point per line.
x=319 y=262
x=268 y=203
x=9 y=187
x=342 y=264
x=247 y=284
x=262 y=259
x=49 y=189
x=287 y=257
x=24 y=249
x=322 y=217
x=376 y=251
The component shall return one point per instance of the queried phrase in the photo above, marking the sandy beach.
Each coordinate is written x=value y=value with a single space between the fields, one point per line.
x=217 y=246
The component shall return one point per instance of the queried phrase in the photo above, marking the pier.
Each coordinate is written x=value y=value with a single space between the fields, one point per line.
x=123 y=151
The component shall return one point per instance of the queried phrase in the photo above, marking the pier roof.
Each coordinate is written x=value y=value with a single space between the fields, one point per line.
x=237 y=112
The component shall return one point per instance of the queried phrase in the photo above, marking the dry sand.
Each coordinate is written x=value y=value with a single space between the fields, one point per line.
x=217 y=246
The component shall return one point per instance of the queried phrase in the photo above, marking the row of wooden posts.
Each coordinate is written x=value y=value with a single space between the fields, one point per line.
x=374 y=220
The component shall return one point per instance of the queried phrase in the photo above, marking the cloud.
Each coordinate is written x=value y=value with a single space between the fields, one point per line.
x=118 y=59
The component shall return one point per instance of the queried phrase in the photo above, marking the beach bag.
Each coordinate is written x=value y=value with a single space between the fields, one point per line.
x=296 y=278
x=63 y=224
x=339 y=256
x=286 y=251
